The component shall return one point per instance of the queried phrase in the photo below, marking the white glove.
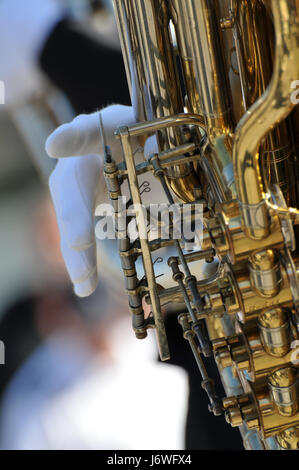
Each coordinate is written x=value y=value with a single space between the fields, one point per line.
x=75 y=184
x=24 y=28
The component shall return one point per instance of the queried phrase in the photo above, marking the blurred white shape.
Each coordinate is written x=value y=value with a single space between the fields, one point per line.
x=132 y=403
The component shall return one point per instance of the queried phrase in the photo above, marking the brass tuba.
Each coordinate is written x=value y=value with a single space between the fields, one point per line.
x=216 y=81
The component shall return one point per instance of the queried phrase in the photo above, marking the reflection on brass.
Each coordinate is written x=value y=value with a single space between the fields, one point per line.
x=256 y=61
x=289 y=439
x=250 y=352
x=265 y=273
x=274 y=327
x=200 y=43
x=269 y=110
x=225 y=230
x=284 y=388
x=241 y=409
x=146 y=40
x=258 y=411
x=194 y=67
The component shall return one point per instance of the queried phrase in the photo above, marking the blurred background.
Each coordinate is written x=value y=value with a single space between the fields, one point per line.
x=74 y=376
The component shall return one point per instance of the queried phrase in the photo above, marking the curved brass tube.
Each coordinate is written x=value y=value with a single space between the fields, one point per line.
x=263 y=116
x=153 y=78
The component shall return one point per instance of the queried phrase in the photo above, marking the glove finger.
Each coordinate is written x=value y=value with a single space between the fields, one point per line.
x=73 y=186
x=82 y=136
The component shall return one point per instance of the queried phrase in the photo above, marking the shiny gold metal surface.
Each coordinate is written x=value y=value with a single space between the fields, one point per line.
x=274 y=327
x=283 y=384
x=199 y=41
x=289 y=439
x=194 y=68
x=268 y=111
x=265 y=273
x=150 y=63
x=256 y=59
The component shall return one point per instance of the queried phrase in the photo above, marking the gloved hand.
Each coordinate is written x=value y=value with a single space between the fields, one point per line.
x=24 y=28
x=75 y=185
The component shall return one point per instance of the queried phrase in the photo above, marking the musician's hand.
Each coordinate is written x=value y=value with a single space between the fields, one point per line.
x=75 y=184
x=25 y=26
